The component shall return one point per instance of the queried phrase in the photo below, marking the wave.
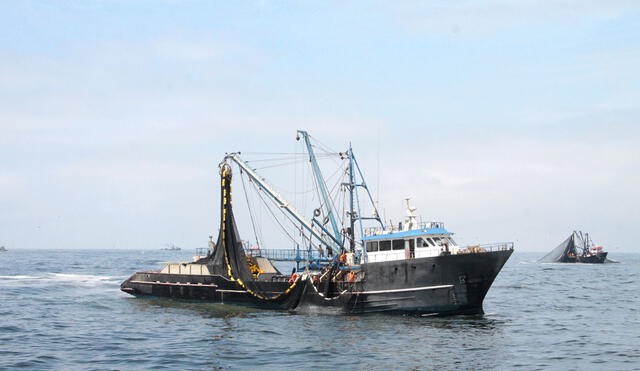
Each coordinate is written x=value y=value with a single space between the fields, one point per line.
x=66 y=279
x=528 y=262
x=61 y=276
x=17 y=277
x=80 y=277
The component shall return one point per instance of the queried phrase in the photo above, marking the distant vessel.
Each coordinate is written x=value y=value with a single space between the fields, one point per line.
x=171 y=247
x=2 y=249
x=411 y=267
x=578 y=248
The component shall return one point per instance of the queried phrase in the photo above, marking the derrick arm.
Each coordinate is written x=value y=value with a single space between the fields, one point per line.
x=279 y=200
x=321 y=184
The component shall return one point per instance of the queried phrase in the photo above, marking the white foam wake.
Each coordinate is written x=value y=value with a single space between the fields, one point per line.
x=79 y=277
x=66 y=279
x=17 y=277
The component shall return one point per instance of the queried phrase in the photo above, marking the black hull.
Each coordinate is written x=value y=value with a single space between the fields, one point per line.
x=450 y=284
x=598 y=258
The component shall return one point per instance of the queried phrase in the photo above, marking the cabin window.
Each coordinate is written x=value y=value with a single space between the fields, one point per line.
x=385 y=245
x=422 y=242
x=437 y=241
x=431 y=241
x=452 y=242
x=372 y=246
x=398 y=244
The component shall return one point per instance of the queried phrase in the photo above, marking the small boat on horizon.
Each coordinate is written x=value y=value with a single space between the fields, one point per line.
x=578 y=248
x=3 y=249
x=171 y=247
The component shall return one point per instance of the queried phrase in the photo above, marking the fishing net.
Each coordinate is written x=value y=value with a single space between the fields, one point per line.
x=229 y=260
x=561 y=252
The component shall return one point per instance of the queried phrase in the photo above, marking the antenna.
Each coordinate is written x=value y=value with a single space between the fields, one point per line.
x=411 y=217
x=378 y=168
x=410 y=209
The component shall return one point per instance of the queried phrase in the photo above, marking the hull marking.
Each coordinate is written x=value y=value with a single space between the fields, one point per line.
x=237 y=291
x=405 y=290
x=174 y=284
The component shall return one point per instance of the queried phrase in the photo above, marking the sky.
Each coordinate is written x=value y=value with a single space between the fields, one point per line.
x=509 y=121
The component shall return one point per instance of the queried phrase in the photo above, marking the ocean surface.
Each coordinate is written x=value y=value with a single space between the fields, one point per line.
x=63 y=310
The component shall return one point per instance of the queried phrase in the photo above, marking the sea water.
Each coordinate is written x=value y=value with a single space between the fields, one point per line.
x=64 y=310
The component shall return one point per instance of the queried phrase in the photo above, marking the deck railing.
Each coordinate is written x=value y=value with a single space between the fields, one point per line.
x=279 y=254
x=497 y=246
x=298 y=255
x=374 y=231
x=431 y=252
x=288 y=255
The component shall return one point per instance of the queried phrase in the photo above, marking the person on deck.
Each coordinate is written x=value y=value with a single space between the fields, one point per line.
x=212 y=245
x=351 y=277
x=343 y=259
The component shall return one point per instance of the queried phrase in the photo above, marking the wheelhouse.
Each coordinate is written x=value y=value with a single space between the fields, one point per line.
x=422 y=240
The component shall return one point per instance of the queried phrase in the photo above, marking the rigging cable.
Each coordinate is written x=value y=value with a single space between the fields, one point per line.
x=290 y=162
x=276 y=218
x=246 y=196
x=317 y=187
x=336 y=189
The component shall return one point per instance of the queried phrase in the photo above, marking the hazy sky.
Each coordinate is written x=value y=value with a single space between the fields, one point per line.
x=508 y=120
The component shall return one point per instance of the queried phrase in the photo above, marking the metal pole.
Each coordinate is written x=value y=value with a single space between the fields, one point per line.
x=321 y=184
x=279 y=200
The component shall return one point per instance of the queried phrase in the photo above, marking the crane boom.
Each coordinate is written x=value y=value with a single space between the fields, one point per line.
x=322 y=186
x=280 y=201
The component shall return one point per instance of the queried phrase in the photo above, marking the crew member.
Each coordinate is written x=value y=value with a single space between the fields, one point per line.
x=343 y=259
x=212 y=245
x=351 y=277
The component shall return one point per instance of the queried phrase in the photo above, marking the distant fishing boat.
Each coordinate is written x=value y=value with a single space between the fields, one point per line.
x=171 y=247
x=408 y=267
x=3 y=249
x=578 y=248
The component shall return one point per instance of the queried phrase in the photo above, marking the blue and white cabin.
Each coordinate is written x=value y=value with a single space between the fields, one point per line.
x=408 y=240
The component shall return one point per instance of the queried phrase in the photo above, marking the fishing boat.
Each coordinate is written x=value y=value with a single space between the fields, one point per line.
x=3 y=249
x=171 y=247
x=577 y=248
x=344 y=265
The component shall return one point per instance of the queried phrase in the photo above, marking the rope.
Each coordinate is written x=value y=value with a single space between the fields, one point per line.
x=322 y=295
x=226 y=199
x=295 y=157
x=246 y=196
x=276 y=218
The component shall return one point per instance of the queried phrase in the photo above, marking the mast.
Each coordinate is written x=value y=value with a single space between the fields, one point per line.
x=355 y=212
x=323 y=187
x=587 y=243
x=315 y=227
x=280 y=201
x=352 y=217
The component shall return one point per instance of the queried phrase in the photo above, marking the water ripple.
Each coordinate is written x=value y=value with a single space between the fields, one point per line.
x=64 y=311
